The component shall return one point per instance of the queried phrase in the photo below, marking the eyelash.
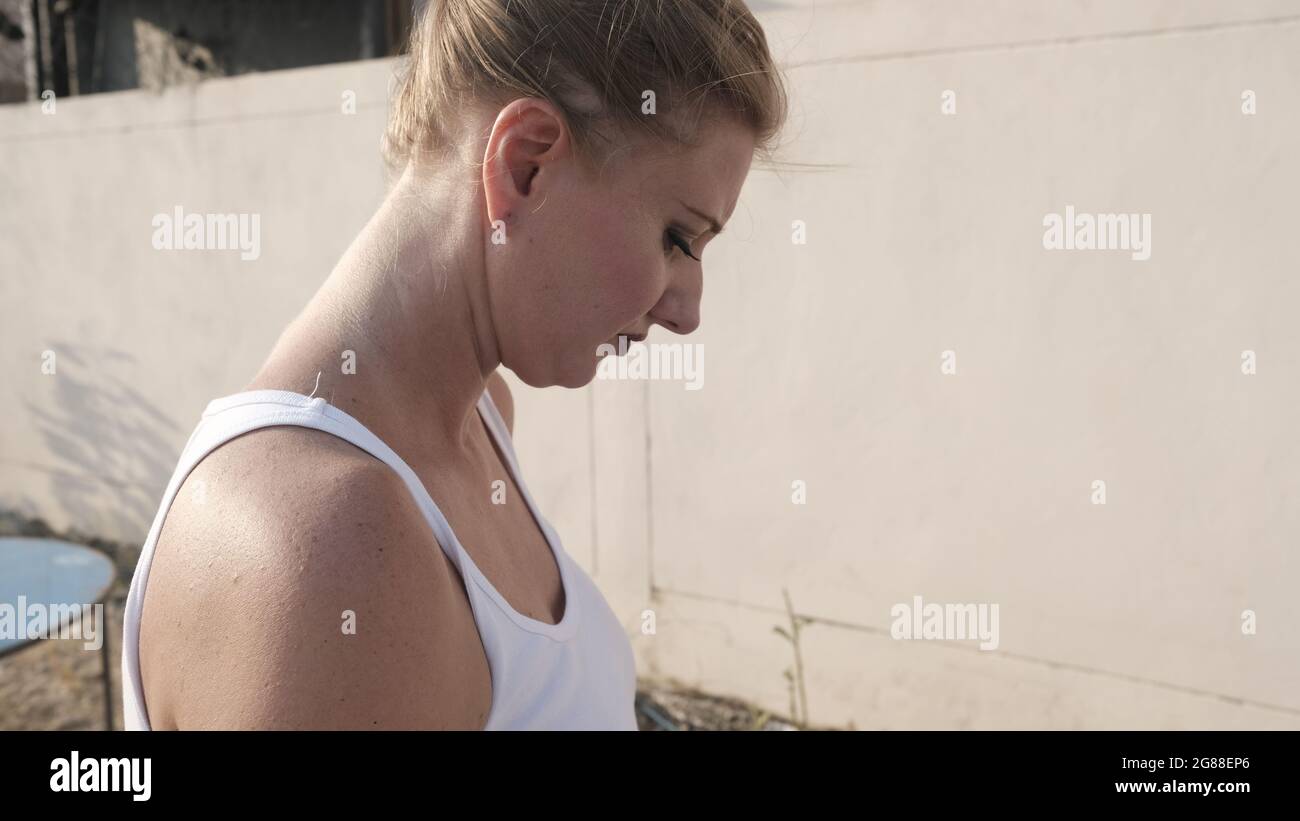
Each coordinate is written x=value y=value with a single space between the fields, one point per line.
x=675 y=239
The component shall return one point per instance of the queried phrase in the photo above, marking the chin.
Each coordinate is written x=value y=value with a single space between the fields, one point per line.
x=579 y=376
x=578 y=372
x=565 y=374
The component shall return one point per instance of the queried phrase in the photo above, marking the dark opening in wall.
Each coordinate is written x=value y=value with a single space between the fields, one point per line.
x=86 y=46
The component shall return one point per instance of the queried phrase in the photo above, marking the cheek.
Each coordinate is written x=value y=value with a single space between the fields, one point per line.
x=627 y=268
x=603 y=273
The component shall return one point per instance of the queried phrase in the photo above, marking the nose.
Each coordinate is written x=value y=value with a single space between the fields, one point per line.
x=678 y=309
x=681 y=320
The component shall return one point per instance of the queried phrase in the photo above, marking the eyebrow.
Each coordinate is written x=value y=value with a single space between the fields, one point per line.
x=714 y=225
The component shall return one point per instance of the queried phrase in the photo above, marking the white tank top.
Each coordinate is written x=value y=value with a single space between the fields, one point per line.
x=578 y=674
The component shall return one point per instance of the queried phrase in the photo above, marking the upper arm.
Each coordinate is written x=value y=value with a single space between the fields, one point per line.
x=335 y=610
x=502 y=399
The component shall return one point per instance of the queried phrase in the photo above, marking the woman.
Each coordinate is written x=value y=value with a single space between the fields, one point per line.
x=559 y=169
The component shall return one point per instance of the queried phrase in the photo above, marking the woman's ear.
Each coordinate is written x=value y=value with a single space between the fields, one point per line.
x=527 y=141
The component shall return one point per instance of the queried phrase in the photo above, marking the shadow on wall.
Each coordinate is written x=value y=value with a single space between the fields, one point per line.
x=111 y=450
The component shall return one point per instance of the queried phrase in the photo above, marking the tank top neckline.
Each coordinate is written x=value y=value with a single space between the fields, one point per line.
x=562 y=630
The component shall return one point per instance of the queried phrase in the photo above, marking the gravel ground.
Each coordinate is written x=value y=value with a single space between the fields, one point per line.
x=59 y=685
x=673 y=707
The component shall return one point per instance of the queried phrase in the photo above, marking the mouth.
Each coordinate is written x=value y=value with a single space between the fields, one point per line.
x=621 y=343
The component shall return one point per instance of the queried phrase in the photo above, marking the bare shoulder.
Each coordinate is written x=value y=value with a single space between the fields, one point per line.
x=501 y=397
x=296 y=584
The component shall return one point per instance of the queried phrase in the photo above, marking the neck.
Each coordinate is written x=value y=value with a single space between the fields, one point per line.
x=409 y=298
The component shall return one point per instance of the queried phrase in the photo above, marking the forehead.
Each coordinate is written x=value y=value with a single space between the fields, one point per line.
x=707 y=175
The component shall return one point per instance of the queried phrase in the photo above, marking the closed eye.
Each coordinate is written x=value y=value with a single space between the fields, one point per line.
x=676 y=239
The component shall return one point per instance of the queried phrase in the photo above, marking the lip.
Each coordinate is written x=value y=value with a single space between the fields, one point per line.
x=629 y=337
x=620 y=347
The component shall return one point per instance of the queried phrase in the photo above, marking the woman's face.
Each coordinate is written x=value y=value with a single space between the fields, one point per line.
x=589 y=255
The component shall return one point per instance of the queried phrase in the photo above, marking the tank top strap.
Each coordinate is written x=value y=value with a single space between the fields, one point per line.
x=232 y=416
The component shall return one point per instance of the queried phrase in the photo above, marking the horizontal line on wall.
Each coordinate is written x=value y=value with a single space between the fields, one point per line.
x=168 y=125
x=1047 y=42
x=953 y=645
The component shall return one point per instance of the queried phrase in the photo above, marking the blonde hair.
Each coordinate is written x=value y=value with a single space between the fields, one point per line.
x=592 y=59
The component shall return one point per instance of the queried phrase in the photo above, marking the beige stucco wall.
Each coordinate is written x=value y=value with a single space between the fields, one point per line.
x=923 y=235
